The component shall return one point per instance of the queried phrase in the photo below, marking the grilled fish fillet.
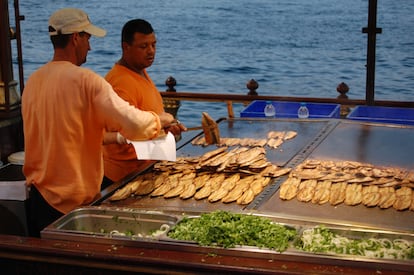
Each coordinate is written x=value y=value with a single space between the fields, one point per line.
x=261 y=142
x=189 y=191
x=387 y=197
x=232 y=195
x=306 y=190
x=175 y=191
x=322 y=191
x=289 y=135
x=144 y=188
x=223 y=188
x=360 y=180
x=247 y=197
x=238 y=190
x=410 y=176
x=307 y=174
x=402 y=198
x=134 y=185
x=353 y=195
x=274 y=171
x=274 y=142
x=256 y=186
x=337 y=195
x=263 y=180
x=212 y=153
x=201 y=180
x=259 y=164
x=249 y=155
x=160 y=179
x=232 y=158
x=162 y=189
x=289 y=188
x=218 y=194
x=230 y=182
x=121 y=194
x=204 y=192
x=370 y=195
x=215 y=160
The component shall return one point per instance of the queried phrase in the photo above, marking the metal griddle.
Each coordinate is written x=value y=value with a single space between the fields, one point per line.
x=378 y=144
x=308 y=132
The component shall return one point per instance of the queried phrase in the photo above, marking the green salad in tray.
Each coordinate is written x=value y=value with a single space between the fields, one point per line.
x=228 y=230
x=224 y=229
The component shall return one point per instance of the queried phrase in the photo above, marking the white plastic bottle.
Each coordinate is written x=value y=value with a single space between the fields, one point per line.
x=303 y=111
x=269 y=110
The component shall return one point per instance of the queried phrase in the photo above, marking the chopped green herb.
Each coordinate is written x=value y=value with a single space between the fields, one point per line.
x=224 y=229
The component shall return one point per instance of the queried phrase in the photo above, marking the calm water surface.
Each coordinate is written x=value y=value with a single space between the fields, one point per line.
x=291 y=47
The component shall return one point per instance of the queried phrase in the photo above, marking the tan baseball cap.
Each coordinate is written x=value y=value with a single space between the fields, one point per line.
x=71 y=20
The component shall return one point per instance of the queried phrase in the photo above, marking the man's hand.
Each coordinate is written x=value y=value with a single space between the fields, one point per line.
x=176 y=128
x=171 y=125
x=166 y=120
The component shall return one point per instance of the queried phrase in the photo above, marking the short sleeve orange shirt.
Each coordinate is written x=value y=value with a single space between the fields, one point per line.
x=141 y=92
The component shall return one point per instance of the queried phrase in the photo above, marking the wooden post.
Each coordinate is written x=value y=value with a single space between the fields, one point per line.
x=11 y=125
x=252 y=85
x=230 y=111
x=8 y=93
x=343 y=89
x=171 y=105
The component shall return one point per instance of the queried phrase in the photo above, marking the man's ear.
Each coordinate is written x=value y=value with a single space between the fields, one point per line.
x=125 y=46
x=74 y=38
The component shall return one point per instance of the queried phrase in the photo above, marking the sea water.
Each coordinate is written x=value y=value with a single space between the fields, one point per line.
x=290 y=47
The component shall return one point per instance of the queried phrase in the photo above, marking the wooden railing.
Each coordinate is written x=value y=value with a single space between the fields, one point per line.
x=172 y=97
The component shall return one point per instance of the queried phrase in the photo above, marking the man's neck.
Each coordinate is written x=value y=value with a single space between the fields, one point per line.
x=124 y=63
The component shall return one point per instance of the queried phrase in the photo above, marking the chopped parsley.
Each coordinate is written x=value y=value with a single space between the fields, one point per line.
x=224 y=229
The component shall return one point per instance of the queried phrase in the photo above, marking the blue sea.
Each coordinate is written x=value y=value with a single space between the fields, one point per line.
x=290 y=47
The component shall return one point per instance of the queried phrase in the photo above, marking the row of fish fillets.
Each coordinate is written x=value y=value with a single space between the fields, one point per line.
x=274 y=139
x=225 y=175
x=351 y=183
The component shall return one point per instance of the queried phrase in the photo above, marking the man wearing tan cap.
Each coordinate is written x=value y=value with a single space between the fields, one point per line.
x=65 y=109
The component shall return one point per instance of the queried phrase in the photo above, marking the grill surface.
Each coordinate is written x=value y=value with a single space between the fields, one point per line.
x=320 y=139
x=308 y=132
x=380 y=145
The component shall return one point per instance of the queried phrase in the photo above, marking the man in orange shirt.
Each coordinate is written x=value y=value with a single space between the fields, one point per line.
x=65 y=111
x=131 y=81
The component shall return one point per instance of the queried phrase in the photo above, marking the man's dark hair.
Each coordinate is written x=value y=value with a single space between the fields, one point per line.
x=60 y=40
x=133 y=26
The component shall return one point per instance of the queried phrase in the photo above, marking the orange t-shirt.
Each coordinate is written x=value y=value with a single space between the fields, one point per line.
x=140 y=91
x=65 y=111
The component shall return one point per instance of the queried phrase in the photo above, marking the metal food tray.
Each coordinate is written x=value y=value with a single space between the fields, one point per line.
x=103 y=225
x=92 y=224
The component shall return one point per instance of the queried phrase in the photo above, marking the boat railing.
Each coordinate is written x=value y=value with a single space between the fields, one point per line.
x=172 y=98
